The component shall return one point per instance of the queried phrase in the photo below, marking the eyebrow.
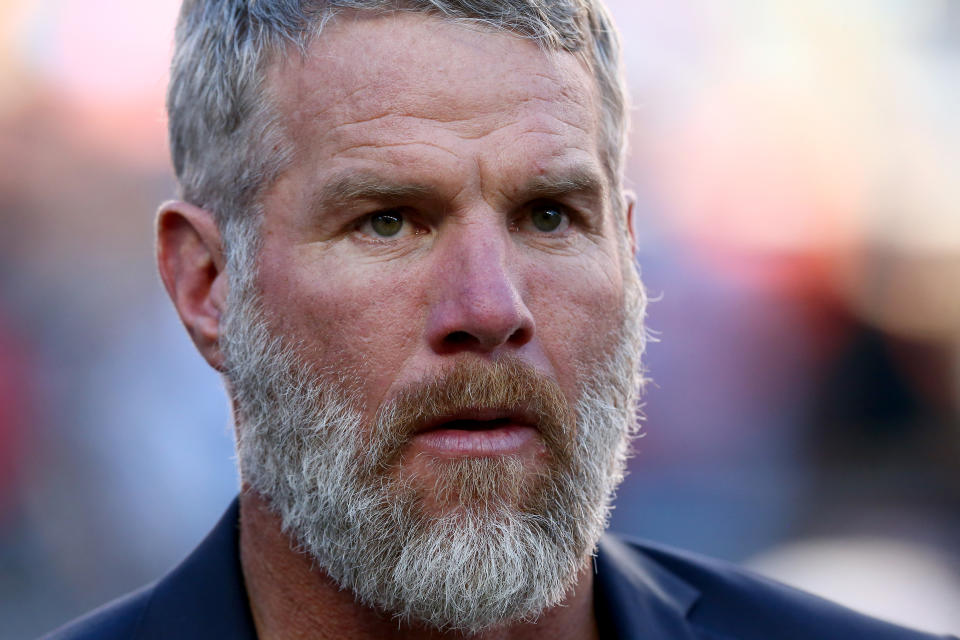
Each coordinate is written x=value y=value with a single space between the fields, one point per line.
x=575 y=180
x=353 y=187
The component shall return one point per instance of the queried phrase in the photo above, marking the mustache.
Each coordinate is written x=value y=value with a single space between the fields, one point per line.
x=507 y=384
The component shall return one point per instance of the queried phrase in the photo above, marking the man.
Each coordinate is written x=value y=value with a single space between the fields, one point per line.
x=403 y=241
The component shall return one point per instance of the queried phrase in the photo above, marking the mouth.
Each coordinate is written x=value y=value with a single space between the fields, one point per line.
x=477 y=432
x=477 y=419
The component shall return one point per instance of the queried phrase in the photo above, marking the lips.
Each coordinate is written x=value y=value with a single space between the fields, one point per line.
x=479 y=409
x=477 y=432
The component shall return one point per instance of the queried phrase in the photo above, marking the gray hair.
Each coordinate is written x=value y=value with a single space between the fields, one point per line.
x=226 y=142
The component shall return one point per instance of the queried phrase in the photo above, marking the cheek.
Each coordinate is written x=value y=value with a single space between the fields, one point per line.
x=353 y=321
x=578 y=310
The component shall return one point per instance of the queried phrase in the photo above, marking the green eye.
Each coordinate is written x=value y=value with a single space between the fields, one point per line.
x=547 y=218
x=386 y=224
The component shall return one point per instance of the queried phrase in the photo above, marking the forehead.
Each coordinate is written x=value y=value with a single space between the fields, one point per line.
x=390 y=83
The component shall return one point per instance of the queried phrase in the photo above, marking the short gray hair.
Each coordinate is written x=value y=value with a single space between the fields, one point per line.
x=225 y=140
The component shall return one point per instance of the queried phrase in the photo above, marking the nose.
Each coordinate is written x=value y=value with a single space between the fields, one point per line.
x=477 y=306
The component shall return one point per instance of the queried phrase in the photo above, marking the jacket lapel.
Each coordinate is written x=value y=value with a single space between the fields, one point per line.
x=639 y=599
x=205 y=596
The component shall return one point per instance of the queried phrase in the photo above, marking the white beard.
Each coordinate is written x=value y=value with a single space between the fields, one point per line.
x=511 y=548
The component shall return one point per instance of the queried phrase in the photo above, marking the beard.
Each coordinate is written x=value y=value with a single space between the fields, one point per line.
x=491 y=542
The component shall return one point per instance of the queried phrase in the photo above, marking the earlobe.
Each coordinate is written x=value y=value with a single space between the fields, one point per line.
x=190 y=258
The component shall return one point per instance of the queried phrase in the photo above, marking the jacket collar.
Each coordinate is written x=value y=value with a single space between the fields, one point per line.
x=205 y=596
x=634 y=597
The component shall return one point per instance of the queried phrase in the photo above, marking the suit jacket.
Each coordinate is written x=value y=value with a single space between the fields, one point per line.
x=642 y=591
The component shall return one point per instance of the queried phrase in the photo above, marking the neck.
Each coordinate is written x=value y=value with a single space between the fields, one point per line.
x=290 y=597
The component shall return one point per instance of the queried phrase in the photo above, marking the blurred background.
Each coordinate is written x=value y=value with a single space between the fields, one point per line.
x=796 y=166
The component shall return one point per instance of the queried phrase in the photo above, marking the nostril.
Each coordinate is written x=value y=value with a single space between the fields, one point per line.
x=520 y=337
x=458 y=338
x=475 y=328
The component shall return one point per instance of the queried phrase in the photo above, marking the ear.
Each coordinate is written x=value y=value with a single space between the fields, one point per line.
x=191 y=262
x=630 y=201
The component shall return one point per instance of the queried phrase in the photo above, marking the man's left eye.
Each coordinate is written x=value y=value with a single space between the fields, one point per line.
x=548 y=218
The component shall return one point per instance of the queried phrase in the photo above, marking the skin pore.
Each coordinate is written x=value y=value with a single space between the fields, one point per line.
x=446 y=204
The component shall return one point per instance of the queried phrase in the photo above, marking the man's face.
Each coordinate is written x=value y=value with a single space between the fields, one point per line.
x=451 y=140
x=442 y=267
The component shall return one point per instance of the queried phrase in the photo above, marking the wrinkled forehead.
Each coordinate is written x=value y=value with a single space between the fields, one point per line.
x=365 y=66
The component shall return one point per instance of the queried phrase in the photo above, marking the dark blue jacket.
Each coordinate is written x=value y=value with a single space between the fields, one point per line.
x=642 y=592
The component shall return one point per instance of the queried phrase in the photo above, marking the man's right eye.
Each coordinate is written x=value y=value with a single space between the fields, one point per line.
x=383 y=224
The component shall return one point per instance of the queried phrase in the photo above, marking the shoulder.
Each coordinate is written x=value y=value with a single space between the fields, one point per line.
x=734 y=604
x=116 y=620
